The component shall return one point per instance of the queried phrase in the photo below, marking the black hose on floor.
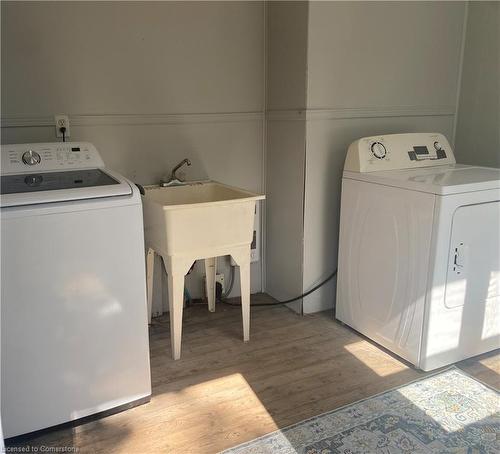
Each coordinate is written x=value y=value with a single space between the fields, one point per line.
x=291 y=300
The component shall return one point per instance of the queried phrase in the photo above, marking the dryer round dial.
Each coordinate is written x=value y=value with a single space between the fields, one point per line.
x=30 y=158
x=378 y=150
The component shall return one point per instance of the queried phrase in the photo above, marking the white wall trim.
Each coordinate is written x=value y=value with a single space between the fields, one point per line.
x=131 y=119
x=359 y=112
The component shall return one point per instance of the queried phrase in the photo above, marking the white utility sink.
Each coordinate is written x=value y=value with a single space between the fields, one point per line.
x=198 y=220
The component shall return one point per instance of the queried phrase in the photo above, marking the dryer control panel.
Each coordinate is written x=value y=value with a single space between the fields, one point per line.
x=48 y=157
x=398 y=151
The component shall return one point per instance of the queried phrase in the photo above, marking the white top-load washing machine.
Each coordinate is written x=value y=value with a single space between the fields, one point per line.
x=419 y=249
x=73 y=305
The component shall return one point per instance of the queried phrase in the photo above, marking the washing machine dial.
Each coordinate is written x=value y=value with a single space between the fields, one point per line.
x=30 y=158
x=378 y=150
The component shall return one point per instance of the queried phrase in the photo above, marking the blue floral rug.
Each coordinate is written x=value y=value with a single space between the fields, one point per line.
x=449 y=412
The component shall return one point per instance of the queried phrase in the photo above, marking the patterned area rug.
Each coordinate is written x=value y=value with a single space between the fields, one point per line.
x=449 y=412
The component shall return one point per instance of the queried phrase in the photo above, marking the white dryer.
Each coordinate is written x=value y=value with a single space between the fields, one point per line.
x=73 y=298
x=419 y=269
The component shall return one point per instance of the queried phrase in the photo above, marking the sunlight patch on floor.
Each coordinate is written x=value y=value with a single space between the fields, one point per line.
x=452 y=409
x=492 y=363
x=227 y=406
x=364 y=352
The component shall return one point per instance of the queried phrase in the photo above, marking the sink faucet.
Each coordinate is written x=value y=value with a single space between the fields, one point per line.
x=174 y=179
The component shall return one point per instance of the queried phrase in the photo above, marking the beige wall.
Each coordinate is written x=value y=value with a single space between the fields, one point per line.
x=383 y=54
x=286 y=55
x=148 y=82
x=286 y=81
x=285 y=208
x=127 y=57
x=478 y=123
x=371 y=68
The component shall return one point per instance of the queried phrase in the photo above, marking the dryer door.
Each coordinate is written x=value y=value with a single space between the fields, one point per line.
x=385 y=238
x=473 y=275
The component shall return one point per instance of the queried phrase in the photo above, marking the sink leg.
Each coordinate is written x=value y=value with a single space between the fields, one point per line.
x=210 y=272
x=176 y=303
x=245 y=298
x=176 y=270
x=150 y=264
x=242 y=258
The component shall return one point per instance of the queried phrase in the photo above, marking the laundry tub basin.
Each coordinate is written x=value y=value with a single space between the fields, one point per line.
x=198 y=217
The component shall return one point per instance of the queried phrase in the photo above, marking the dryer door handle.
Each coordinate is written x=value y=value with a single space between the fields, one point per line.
x=460 y=259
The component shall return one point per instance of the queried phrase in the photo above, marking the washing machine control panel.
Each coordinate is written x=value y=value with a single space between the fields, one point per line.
x=398 y=151
x=46 y=157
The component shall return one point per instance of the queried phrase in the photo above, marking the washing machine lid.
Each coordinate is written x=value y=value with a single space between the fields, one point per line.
x=440 y=180
x=36 y=173
x=49 y=187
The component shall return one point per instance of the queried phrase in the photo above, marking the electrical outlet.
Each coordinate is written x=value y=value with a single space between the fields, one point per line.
x=62 y=121
x=219 y=277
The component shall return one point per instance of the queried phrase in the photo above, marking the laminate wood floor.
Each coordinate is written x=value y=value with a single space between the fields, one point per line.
x=224 y=392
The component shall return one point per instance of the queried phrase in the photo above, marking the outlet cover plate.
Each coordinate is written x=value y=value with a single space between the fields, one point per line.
x=62 y=120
